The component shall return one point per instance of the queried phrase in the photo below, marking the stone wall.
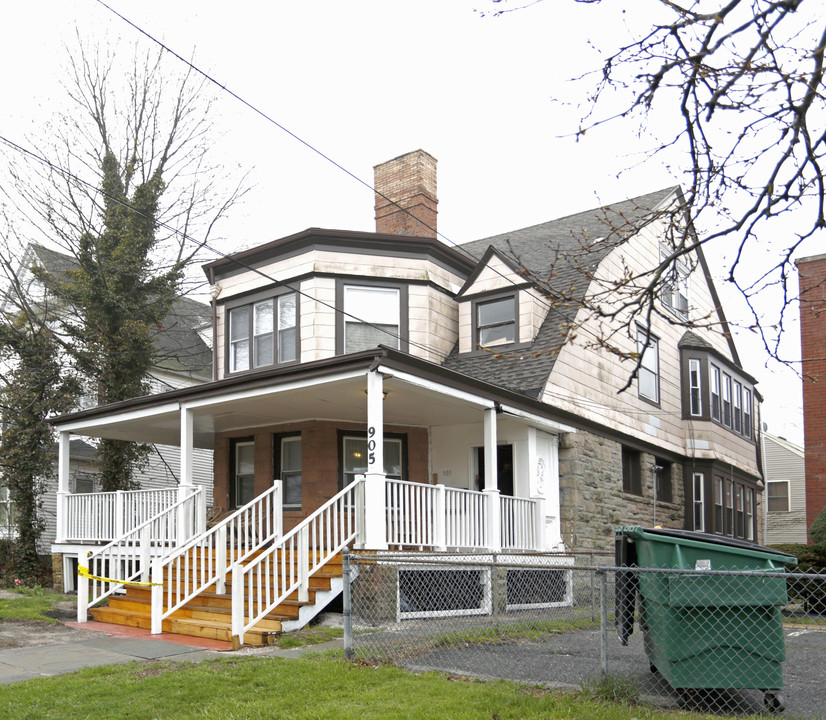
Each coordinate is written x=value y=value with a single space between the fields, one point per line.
x=591 y=497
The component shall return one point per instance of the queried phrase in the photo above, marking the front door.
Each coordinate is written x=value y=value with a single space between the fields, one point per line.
x=504 y=468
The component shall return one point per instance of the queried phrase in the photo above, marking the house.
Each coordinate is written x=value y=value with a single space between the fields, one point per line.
x=182 y=358
x=785 y=506
x=811 y=273
x=386 y=390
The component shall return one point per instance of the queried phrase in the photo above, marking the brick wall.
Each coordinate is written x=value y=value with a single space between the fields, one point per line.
x=319 y=461
x=812 y=279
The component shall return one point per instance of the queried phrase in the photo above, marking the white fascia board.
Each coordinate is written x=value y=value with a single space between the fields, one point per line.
x=78 y=426
x=270 y=390
x=538 y=421
x=437 y=388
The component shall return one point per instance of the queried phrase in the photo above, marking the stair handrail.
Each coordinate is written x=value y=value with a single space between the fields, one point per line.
x=97 y=568
x=237 y=536
x=307 y=547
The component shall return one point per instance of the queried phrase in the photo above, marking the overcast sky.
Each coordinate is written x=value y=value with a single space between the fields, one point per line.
x=368 y=80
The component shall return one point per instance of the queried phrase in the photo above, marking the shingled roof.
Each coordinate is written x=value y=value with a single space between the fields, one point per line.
x=561 y=255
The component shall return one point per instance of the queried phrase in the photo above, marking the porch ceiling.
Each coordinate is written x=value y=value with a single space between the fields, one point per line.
x=341 y=399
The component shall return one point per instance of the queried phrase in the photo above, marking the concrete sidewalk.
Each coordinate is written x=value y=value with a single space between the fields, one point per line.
x=114 y=644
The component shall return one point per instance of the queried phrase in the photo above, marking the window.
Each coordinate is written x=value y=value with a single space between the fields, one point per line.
x=664 y=483
x=738 y=407
x=242 y=480
x=288 y=468
x=729 y=523
x=84 y=483
x=726 y=400
x=777 y=493
x=496 y=322
x=631 y=474
x=739 y=512
x=747 y=425
x=699 y=502
x=715 y=393
x=6 y=512
x=271 y=324
x=648 y=375
x=695 y=396
x=371 y=317
x=354 y=457
x=675 y=287
x=749 y=514
x=718 y=505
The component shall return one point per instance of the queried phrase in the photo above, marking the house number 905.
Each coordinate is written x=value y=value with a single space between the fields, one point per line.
x=371 y=445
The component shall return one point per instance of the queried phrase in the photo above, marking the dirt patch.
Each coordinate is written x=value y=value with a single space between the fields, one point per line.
x=30 y=633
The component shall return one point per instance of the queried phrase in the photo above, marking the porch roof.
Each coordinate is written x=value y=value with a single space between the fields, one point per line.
x=418 y=393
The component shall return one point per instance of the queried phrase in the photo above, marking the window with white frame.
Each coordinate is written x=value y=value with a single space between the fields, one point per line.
x=289 y=470
x=354 y=457
x=496 y=322
x=747 y=424
x=263 y=333
x=675 y=287
x=749 y=514
x=699 y=502
x=243 y=476
x=739 y=512
x=648 y=375
x=716 y=405
x=726 y=400
x=6 y=512
x=777 y=496
x=371 y=317
x=729 y=496
x=737 y=398
x=717 y=490
x=695 y=392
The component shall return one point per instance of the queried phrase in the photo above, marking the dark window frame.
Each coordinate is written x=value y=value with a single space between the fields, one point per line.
x=233 y=489
x=277 y=472
x=477 y=328
x=389 y=284
x=249 y=302
x=631 y=471
x=665 y=480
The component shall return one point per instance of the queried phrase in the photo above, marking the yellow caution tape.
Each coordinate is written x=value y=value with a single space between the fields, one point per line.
x=84 y=572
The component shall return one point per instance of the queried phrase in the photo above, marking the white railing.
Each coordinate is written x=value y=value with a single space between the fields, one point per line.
x=286 y=567
x=439 y=517
x=204 y=561
x=465 y=518
x=102 y=517
x=129 y=556
x=412 y=511
x=517 y=520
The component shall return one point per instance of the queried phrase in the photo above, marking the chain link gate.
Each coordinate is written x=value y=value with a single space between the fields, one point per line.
x=723 y=641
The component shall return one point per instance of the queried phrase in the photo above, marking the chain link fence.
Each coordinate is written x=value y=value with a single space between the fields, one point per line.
x=722 y=641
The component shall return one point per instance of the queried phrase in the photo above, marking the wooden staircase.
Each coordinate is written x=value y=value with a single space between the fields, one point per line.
x=208 y=615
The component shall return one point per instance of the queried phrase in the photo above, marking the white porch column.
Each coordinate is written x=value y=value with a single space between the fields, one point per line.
x=187 y=446
x=63 y=449
x=187 y=480
x=494 y=537
x=375 y=523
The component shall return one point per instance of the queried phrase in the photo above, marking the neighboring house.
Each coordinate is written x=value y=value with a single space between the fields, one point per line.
x=482 y=413
x=811 y=273
x=785 y=505
x=182 y=358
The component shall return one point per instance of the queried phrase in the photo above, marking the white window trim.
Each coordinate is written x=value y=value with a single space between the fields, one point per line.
x=675 y=288
x=648 y=347
x=698 y=480
x=353 y=316
x=695 y=369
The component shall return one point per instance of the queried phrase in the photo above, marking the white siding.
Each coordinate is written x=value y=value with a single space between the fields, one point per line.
x=785 y=461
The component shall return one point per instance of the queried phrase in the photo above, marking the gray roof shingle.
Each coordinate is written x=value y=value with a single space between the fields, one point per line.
x=559 y=255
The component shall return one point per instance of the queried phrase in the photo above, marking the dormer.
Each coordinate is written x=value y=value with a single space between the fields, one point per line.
x=498 y=308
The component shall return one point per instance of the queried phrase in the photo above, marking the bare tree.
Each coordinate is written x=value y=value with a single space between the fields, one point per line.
x=740 y=84
x=125 y=187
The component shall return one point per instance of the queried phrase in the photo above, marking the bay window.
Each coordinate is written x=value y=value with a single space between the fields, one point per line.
x=262 y=333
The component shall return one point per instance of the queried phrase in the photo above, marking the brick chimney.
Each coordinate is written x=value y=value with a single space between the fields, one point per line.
x=406 y=195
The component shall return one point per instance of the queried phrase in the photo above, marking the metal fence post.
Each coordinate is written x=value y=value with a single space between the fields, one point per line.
x=347 y=617
x=603 y=621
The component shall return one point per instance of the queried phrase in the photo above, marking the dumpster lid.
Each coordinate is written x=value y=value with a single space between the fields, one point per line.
x=635 y=531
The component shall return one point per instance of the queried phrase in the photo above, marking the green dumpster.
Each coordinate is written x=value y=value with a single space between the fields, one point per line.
x=704 y=627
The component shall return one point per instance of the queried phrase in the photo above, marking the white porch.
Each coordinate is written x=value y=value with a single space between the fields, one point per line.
x=458 y=506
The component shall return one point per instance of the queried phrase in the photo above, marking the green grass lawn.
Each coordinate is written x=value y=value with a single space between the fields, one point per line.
x=30 y=604
x=315 y=687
